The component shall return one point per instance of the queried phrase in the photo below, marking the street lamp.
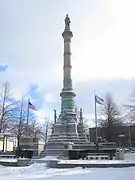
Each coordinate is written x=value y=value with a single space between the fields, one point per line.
x=129 y=135
x=120 y=139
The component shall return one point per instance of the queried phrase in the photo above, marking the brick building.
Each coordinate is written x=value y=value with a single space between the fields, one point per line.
x=127 y=132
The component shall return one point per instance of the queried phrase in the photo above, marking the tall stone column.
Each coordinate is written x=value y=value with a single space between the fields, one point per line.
x=65 y=127
x=67 y=119
x=67 y=94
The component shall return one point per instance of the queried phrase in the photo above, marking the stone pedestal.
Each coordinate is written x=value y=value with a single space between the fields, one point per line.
x=61 y=137
x=64 y=136
x=120 y=154
x=67 y=146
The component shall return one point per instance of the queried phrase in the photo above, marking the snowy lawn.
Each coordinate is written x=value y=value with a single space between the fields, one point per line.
x=40 y=172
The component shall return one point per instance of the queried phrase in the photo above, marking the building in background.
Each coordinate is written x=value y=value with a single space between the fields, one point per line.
x=122 y=135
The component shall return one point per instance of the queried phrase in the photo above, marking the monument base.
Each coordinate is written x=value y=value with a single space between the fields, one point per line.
x=64 y=133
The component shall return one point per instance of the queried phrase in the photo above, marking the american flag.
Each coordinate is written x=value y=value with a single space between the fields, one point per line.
x=31 y=106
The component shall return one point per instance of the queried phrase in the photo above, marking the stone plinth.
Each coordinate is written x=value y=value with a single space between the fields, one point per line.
x=67 y=146
x=120 y=154
x=61 y=136
x=66 y=137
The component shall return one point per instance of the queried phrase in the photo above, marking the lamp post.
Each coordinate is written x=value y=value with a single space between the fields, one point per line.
x=120 y=139
x=129 y=136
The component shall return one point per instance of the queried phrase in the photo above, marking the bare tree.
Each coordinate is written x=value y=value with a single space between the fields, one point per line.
x=22 y=123
x=6 y=106
x=40 y=131
x=36 y=129
x=86 y=125
x=45 y=134
x=7 y=109
x=18 y=124
x=111 y=114
x=48 y=127
x=130 y=108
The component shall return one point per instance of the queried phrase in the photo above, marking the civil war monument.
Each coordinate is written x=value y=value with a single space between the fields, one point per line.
x=67 y=128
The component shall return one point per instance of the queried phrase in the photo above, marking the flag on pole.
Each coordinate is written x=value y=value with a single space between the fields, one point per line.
x=99 y=100
x=31 y=106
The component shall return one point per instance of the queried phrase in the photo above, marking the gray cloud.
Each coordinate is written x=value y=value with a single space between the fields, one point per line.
x=120 y=89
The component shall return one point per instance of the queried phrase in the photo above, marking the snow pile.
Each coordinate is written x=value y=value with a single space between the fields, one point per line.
x=129 y=157
x=8 y=160
x=44 y=160
x=90 y=162
x=49 y=158
x=1 y=166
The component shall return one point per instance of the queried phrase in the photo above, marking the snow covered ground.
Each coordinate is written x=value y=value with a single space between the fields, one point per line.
x=40 y=172
x=8 y=160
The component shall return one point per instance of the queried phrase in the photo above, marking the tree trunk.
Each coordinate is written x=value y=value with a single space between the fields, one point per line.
x=18 y=141
x=3 y=143
x=6 y=143
x=46 y=133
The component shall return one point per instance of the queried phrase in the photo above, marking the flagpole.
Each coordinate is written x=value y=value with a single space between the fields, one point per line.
x=96 y=125
x=27 y=118
x=20 y=123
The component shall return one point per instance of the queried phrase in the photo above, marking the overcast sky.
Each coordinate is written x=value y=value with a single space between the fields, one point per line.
x=103 y=55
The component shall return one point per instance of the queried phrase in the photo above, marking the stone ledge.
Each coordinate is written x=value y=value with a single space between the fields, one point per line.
x=89 y=164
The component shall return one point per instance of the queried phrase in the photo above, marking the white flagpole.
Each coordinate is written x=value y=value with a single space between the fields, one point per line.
x=96 y=124
x=27 y=128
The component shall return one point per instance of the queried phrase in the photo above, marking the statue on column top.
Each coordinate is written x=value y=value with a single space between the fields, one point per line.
x=67 y=22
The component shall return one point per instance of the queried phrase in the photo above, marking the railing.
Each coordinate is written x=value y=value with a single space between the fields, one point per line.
x=7 y=156
x=96 y=157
